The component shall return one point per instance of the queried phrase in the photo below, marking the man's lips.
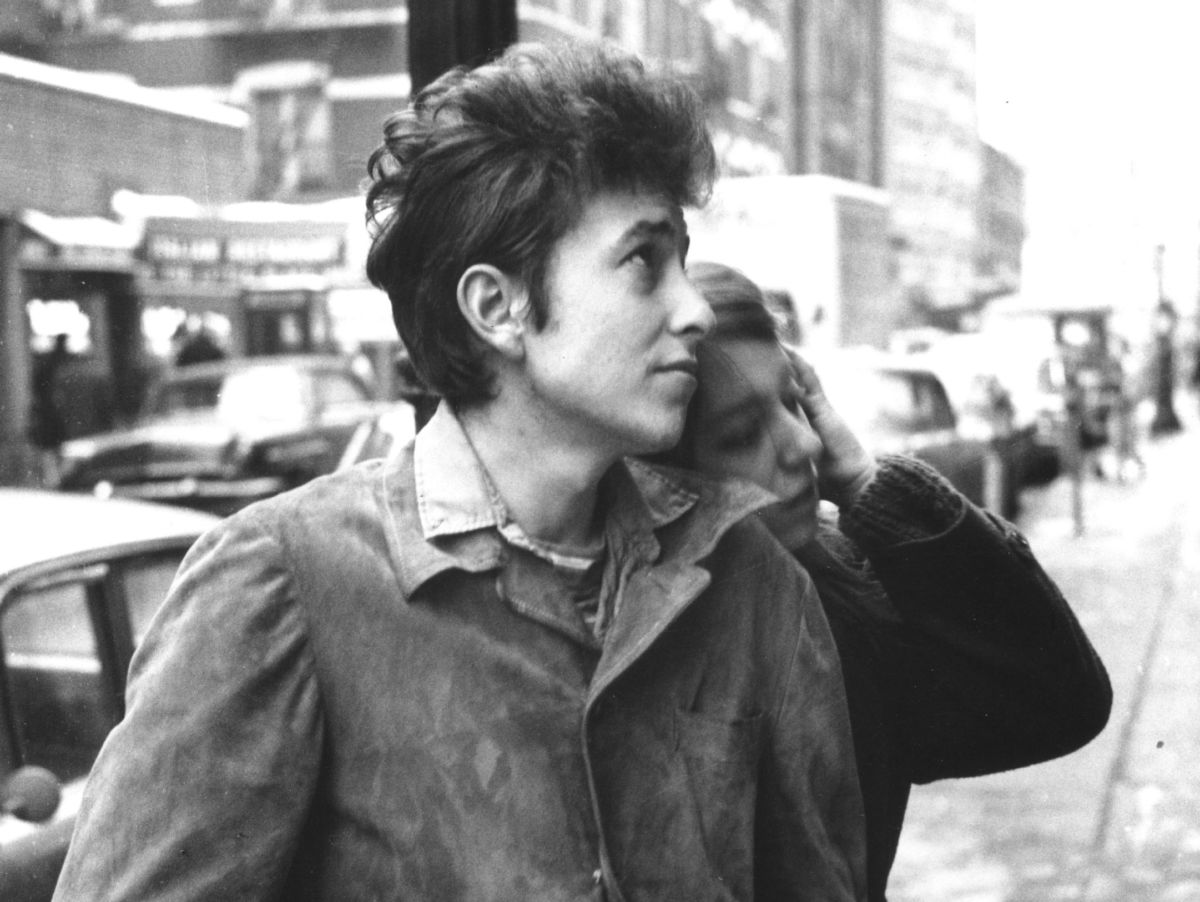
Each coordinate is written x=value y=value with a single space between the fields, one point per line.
x=687 y=366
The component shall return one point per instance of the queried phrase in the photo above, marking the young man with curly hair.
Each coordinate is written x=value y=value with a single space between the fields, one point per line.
x=508 y=662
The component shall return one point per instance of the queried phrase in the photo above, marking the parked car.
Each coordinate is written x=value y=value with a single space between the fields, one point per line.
x=217 y=436
x=994 y=397
x=390 y=428
x=80 y=578
x=896 y=404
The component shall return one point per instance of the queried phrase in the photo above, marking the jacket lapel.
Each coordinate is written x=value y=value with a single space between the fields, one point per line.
x=673 y=521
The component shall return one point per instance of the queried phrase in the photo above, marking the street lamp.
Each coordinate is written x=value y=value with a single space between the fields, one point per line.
x=1165 y=420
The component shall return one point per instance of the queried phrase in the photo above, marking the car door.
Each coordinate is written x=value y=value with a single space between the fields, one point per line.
x=931 y=427
x=66 y=637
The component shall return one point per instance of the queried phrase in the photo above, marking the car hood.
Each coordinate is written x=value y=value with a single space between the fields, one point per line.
x=154 y=449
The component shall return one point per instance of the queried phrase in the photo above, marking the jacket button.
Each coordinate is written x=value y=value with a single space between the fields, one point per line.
x=597 y=876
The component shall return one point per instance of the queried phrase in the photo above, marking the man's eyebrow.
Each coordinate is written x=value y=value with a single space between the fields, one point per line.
x=652 y=228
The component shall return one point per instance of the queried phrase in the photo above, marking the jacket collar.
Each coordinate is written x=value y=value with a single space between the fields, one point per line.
x=454 y=495
x=442 y=512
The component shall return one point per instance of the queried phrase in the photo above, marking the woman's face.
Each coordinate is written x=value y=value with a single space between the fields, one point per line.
x=749 y=424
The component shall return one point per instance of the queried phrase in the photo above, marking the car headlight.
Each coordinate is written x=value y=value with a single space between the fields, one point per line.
x=77 y=449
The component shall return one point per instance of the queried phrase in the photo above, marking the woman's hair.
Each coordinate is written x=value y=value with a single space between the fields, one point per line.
x=494 y=165
x=739 y=305
x=841 y=574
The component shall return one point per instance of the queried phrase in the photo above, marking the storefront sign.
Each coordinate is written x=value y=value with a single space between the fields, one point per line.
x=275 y=300
x=204 y=250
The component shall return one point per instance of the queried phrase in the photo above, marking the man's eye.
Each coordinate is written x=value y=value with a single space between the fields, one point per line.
x=643 y=256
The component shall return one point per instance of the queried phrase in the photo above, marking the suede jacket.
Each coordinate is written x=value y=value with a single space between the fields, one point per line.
x=360 y=690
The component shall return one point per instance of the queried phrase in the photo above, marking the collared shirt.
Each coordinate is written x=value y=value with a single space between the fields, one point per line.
x=362 y=690
x=456 y=496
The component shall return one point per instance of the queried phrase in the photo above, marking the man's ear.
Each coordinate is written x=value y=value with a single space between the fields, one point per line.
x=496 y=306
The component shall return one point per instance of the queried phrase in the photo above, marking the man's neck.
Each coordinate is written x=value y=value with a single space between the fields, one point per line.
x=548 y=480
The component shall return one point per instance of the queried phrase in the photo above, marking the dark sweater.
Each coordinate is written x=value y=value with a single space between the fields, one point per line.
x=959 y=653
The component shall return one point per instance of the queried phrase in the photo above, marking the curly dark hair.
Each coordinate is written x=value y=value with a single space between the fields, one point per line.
x=495 y=164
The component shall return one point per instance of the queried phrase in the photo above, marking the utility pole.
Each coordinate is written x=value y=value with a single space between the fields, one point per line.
x=447 y=33
x=443 y=34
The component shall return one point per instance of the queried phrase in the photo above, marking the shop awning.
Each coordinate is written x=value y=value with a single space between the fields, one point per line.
x=190 y=297
x=77 y=242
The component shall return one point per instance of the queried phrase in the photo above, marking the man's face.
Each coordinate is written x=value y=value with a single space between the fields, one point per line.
x=615 y=364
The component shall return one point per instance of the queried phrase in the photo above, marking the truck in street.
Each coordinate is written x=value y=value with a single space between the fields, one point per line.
x=818 y=245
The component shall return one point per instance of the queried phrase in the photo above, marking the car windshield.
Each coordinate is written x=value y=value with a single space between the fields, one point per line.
x=260 y=394
x=889 y=403
x=187 y=396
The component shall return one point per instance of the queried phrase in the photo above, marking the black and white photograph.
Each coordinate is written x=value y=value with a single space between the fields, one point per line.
x=599 y=451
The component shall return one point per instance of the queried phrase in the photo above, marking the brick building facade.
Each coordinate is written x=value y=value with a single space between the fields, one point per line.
x=319 y=76
x=66 y=265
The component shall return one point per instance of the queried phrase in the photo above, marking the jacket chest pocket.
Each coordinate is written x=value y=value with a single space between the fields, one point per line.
x=721 y=759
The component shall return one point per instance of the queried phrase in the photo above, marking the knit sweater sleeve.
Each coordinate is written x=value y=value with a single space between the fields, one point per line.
x=907 y=501
x=995 y=670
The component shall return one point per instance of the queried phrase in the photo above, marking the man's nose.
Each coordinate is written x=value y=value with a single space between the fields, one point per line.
x=690 y=312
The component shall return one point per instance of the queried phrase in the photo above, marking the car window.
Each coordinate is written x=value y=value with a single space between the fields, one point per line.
x=263 y=394
x=187 y=396
x=60 y=703
x=56 y=637
x=915 y=402
x=891 y=402
x=146 y=582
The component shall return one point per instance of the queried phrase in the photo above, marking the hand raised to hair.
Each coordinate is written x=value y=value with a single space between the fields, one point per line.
x=845 y=467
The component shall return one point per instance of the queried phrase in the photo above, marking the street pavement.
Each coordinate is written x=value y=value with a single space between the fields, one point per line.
x=1119 y=820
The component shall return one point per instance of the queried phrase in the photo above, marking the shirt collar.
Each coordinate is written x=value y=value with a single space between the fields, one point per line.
x=452 y=517
x=455 y=495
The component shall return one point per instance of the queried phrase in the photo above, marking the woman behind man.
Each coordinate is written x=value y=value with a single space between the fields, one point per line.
x=959 y=654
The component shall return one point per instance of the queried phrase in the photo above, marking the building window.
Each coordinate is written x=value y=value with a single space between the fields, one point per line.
x=658 y=39
x=671 y=31
x=611 y=26
x=292 y=128
x=291 y=141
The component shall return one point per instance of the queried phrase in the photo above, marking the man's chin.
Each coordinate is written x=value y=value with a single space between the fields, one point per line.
x=659 y=441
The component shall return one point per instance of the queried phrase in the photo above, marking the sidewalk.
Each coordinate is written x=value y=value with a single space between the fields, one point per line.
x=1118 y=821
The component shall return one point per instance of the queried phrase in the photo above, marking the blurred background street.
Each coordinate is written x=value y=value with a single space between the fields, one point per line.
x=1118 y=821
x=980 y=219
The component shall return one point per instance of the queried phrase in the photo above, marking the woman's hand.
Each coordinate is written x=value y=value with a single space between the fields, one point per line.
x=845 y=467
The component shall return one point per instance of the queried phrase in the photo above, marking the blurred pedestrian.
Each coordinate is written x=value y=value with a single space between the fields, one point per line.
x=1124 y=461
x=195 y=343
x=1195 y=377
x=508 y=662
x=47 y=412
x=960 y=655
